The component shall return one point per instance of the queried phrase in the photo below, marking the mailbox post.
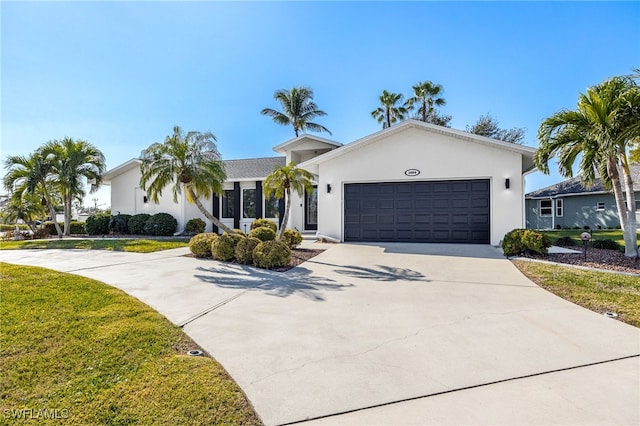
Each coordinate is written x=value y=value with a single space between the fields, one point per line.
x=585 y=237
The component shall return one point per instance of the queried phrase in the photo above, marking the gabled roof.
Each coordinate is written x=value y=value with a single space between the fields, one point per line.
x=575 y=186
x=293 y=143
x=118 y=170
x=252 y=168
x=527 y=152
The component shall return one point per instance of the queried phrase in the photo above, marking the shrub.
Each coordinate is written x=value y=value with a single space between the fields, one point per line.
x=271 y=254
x=606 y=244
x=41 y=233
x=244 y=250
x=6 y=227
x=292 y=238
x=565 y=242
x=239 y=231
x=96 y=224
x=521 y=241
x=120 y=219
x=224 y=247
x=136 y=223
x=263 y=233
x=576 y=227
x=586 y=227
x=161 y=224
x=200 y=244
x=75 y=227
x=558 y=226
x=195 y=226
x=264 y=222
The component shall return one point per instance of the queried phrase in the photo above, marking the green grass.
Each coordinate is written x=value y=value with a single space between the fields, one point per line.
x=132 y=245
x=600 y=234
x=597 y=291
x=79 y=348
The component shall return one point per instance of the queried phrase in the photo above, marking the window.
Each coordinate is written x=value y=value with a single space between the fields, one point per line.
x=228 y=203
x=559 y=208
x=600 y=206
x=249 y=203
x=545 y=208
x=271 y=207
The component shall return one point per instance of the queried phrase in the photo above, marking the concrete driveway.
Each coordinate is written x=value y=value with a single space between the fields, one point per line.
x=387 y=334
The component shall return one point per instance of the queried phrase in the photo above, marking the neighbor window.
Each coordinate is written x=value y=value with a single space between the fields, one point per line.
x=600 y=206
x=271 y=207
x=249 y=203
x=559 y=208
x=546 y=208
x=228 y=203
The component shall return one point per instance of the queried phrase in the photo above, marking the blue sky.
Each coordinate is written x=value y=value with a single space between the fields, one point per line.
x=121 y=74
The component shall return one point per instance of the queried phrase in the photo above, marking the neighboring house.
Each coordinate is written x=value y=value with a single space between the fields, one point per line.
x=570 y=204
x=412 y=182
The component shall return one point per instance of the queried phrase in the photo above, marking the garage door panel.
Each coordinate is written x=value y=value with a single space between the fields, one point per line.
x=430 y=211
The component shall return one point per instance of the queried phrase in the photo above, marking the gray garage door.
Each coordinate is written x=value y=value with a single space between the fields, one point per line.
x=430 y=212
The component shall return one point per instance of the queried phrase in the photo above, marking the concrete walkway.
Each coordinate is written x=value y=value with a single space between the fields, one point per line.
x=387 y=334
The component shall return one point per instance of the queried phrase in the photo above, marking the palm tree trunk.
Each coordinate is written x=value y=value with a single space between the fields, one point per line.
x=205 y=212
x=52 y=210
x=630 y=250
x=631 y=247
x=285 y=219
x=67 y=215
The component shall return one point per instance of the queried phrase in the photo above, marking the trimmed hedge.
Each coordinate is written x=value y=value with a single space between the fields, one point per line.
x=244 y=250
x=224 y=247
x=161 y=224
x=524 y=241
x=263 y=233
x=97 y=224
x=606 y=244
x=6 y=227
x=195 y=226
x=271 y=255
x=200 y=244
x=136 y=223
x=75 y=227
x=292 y=238
x=264 y=222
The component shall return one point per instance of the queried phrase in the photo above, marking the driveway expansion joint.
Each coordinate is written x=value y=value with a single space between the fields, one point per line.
x=464 y=388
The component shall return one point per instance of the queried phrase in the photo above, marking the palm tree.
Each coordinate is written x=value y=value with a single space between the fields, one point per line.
x=425 y=95
x=32 y=175
x=605 y=124
x=74 y=163
x=190 y=161
x=298 y=110
x=390 y=112
x=25 y=207
x=280 y=183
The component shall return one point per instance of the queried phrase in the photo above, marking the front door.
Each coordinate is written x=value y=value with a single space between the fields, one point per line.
x=311 y=209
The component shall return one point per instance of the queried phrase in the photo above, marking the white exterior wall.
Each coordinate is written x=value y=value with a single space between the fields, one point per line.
x=438 y=157
x=128 y=198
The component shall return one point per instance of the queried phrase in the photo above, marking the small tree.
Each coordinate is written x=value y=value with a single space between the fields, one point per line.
x=389 y=110
x=489 y=127
x=281 y=182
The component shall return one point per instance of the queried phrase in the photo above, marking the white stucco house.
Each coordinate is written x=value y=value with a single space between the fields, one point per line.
x=412 y=182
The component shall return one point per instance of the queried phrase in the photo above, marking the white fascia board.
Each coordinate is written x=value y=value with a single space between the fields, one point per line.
x=360 y=143
x=572 y=194
x=118 y=170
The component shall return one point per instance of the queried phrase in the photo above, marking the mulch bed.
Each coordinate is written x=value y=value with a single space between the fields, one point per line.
x=298 y=256
x=611 y=260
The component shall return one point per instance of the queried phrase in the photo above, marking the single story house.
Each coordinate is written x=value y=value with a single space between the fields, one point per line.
x=570 y=204
x=412 y=182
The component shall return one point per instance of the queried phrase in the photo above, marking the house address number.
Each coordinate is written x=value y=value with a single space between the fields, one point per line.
x=412 y=172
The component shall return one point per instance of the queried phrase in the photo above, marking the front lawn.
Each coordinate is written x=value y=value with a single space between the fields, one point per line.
x=131 y=244
x=599 y=234
x=79 y=350
x=598 y=291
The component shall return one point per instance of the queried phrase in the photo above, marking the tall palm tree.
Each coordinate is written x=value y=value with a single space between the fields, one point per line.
x=281 y=182
x=190 y=161
x=426 y=97
x=389 y=111
x=25 y=207
x=74 y=163
x=298 y=109
x=605 y=124
x=32 y=175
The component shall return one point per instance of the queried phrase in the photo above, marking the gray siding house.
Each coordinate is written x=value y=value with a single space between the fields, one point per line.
x=569 y=204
